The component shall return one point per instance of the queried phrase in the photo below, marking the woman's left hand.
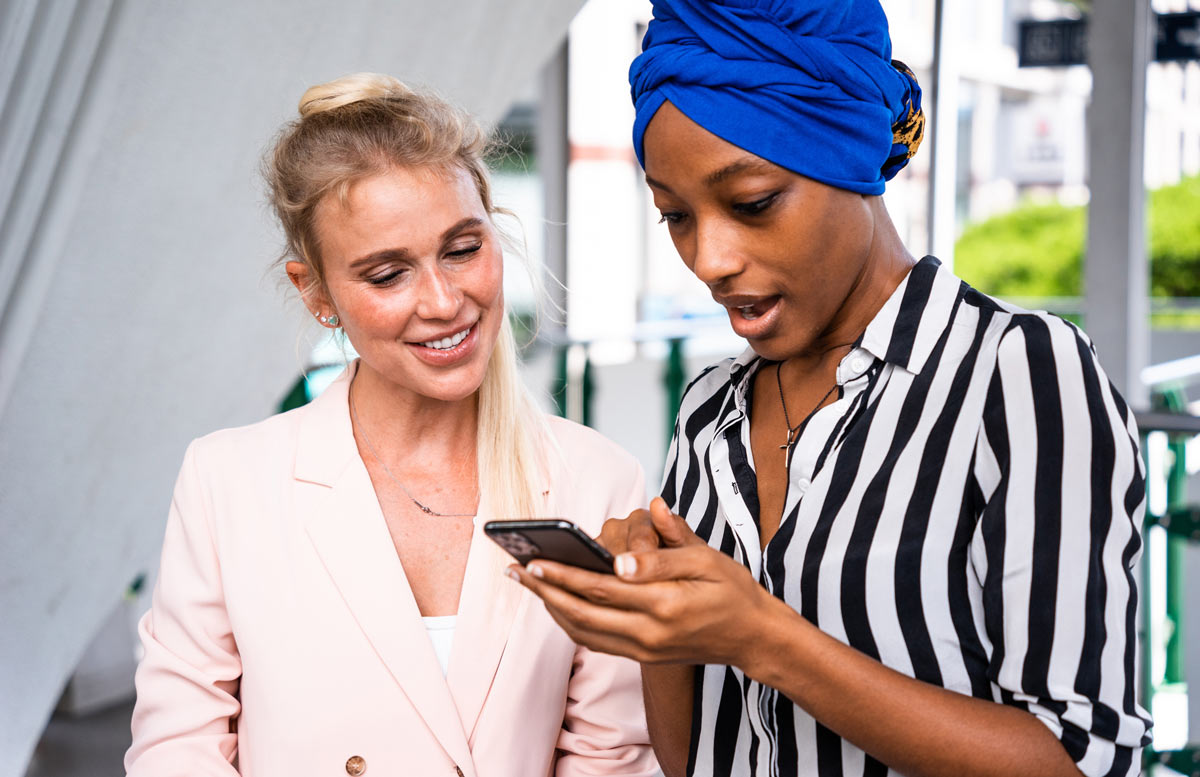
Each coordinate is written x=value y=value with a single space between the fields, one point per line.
x=684 y=603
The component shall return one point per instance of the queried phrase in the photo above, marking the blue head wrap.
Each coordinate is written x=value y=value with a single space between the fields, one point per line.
x=806 y=84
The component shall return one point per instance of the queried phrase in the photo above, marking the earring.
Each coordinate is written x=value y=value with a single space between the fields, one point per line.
x=330 y=320
x=333 y=320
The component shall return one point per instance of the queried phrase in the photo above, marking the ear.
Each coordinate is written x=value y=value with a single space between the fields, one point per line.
x=301 y=276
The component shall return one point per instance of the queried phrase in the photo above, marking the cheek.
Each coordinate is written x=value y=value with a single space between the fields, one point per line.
x=372 y=314
x=486 y=283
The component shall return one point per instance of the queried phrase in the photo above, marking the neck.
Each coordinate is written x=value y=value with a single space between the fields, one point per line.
x=886 y=265
x=402 y=424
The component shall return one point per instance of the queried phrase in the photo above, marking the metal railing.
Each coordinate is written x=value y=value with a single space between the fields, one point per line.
x=1180 y=520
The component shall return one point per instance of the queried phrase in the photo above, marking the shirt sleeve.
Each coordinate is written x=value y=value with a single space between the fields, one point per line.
x=1060 y=476
x=187 y=682
x=604 y=725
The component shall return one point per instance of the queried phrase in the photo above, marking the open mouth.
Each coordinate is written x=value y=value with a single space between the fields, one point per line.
x=751 y=312
x=446 y=343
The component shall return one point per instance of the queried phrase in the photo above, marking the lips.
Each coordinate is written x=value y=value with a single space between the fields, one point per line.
x=448 y=349
x=446 y=343
x=752 y=317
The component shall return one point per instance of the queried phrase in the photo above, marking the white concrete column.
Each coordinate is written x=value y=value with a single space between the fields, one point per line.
x=943 y=130
x=1115 y=271
x=552 y=157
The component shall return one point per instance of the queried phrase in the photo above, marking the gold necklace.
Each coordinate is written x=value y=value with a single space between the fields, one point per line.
x=396 y=480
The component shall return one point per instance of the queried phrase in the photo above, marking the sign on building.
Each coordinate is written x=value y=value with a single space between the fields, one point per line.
x=1061 y=42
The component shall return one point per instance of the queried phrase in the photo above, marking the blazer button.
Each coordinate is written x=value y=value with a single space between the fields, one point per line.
x=356 y=765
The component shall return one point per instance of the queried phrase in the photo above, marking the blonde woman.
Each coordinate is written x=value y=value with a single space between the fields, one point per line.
x=327 y=603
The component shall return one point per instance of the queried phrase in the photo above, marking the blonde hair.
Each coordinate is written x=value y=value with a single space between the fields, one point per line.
x=365 y=124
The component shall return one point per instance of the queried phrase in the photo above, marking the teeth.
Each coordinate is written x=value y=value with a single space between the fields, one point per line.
x=448 y=342
x=748 y=313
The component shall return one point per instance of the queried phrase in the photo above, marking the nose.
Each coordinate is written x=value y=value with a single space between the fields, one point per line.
x=439 y=298
x=716 y=252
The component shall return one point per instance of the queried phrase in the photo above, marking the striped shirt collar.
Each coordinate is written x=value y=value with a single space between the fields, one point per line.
x=903 y=332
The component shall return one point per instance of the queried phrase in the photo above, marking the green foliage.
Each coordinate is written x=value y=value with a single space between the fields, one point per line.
x=1174 y=226
x=1033 y=251
x=1037 y=250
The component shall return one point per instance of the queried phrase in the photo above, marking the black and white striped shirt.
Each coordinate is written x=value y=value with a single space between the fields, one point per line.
x=967 y=512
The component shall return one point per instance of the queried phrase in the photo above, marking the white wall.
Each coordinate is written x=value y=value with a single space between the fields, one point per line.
x=137 y=307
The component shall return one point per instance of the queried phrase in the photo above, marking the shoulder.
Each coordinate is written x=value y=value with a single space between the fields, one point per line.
x=252 y=440
x=1042 y=342
x=591 y=477
x=1048 y=377
x=713 y=384
x=255 y=453
x=710 y=395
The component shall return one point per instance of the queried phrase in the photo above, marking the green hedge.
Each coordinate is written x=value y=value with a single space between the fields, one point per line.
x=1037 y=250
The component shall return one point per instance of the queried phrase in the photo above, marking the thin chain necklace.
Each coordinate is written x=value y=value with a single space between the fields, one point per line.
x=792 y=431
x=378 y=460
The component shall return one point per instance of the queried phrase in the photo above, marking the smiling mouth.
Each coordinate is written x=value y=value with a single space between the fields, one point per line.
x=446 y=343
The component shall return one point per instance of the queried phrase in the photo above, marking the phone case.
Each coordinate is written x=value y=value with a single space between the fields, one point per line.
x=553 y=540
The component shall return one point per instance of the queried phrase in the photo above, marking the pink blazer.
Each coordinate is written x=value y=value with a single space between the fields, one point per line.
x=283 y=638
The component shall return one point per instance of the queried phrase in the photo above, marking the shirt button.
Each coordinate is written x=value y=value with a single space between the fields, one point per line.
x=355 y=765
x=803 y=484
x=859 y=364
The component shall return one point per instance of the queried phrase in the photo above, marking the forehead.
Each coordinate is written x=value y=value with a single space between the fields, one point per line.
x=405 y=188
x=678 y=149
x=409 y=204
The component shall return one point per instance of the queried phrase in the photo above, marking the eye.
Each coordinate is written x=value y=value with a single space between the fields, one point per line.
x=672 y=217
x=464 y=253
x=755 y=207
x=387 y=278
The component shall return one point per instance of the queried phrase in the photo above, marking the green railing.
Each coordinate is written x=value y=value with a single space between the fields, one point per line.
x=1180 y=520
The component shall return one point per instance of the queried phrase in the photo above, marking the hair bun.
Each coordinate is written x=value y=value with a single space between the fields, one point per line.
x=350 y=89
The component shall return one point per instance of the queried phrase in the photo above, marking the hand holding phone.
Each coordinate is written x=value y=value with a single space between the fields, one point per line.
x=551 y=539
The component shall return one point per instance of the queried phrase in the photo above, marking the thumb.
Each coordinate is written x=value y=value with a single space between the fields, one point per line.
x=674 y=530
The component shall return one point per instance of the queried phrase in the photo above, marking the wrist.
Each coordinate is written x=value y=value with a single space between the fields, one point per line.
x=773 y=643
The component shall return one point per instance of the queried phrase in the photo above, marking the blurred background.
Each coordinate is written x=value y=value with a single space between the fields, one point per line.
x=139 y=306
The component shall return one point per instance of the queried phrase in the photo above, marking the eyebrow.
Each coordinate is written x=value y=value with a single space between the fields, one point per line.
x=402 y=254
x=748 y=163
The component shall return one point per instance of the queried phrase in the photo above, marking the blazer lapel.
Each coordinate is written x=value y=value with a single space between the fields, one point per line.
x=350 y=535
x=487 y=607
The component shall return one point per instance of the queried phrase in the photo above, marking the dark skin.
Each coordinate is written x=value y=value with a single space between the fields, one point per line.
x=802 y=268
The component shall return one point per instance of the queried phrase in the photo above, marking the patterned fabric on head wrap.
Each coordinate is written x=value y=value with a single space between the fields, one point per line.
x=806 y=84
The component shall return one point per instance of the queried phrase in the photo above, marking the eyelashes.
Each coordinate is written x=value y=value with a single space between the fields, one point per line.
x=395 y=274
x=463 y=253
x=752 y=208
x=757 y=206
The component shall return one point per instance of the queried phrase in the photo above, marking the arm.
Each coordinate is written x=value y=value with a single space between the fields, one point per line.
x=604 y=728
x=183 y=722
x=667 y=693
x=604 y=731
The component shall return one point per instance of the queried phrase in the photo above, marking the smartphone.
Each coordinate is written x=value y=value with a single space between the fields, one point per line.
x=553 y=539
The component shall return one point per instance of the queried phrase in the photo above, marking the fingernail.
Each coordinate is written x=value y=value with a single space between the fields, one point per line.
x=535 y=570
x=625 y=565
x=513 y=574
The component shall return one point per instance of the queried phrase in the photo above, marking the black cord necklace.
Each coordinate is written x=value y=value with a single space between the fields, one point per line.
x=792 y=431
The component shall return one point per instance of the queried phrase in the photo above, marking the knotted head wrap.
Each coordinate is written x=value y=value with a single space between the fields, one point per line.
x=806 y=84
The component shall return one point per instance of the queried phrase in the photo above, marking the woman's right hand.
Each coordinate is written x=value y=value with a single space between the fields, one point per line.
x=638 y=532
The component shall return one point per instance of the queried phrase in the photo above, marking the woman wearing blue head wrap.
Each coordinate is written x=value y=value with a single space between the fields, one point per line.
x=896 y=534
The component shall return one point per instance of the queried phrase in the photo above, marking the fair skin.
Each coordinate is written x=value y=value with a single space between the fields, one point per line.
x=801 y=269
x=411 y=262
